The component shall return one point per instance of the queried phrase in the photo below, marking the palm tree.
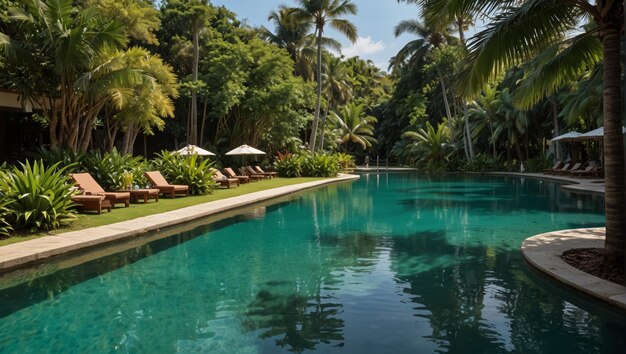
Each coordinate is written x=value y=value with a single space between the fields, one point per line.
x=56 y=46
x=320 y=13
x=336 y=86
x=484 y=110
x=354 y=126
x=429 y=37
x=294 y=35
x=521 y=31
x=431 y=146
x=512 y=121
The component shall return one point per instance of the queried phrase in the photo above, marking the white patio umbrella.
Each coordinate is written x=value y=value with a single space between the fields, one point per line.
x=194 y=150
x=245 y=150
x=565 y=137
x=596 y=134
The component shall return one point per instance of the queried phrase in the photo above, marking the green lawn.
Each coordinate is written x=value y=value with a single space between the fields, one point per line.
x=84 y=221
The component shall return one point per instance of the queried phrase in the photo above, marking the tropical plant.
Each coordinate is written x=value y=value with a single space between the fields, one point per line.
x=320 y=13
x=37 y=197
x=187 y=170
x=354 y=126
x=109 y=168
x=68 y=158
x=289 y=166
x=346 y=162
x=336 y=87
x=520 y=32
x=319 y=165
x=431 y=146
x=5 y=226
x=57 y=60
x=511 y=121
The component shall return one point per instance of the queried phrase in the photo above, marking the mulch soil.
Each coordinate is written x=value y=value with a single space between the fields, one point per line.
x=597 y=262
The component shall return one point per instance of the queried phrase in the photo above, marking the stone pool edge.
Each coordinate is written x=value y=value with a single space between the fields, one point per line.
x=543 y=252
x=22 y=253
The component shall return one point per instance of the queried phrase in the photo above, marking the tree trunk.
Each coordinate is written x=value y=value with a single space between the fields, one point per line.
x=324 y=126
x=192 y=137
x=447 y=105
x=319 y=91
x=468 y=133
x=615 y=183
x=555 y=119
x=203 y=123
x=493 y=140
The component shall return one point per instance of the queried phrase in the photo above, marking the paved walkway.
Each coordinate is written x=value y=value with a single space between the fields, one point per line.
x=544 y=252
x=586 y=185
x=22 y=253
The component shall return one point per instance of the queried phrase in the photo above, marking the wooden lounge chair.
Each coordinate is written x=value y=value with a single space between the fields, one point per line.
x=223 y=180
x=91 y=187
x=590 y=171
x=260 y=170
x=91 y=202
x=557 y=165
x=564 y=169
x=253 y=176
x=158 y=181
x=231 y=174
x=250 y=171
x=576 y=167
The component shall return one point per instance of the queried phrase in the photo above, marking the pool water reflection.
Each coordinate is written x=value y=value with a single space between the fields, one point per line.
x=393 y=263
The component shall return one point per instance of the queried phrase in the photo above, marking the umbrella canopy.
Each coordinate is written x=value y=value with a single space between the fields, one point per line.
x=596 y=134
x=564 y=137
x=194 y=150
x=245 y=150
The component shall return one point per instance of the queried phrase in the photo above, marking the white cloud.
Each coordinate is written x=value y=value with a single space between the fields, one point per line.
x=363 y=45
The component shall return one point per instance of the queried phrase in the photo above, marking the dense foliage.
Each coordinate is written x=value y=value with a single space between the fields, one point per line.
x=110 y=168
x=309 y=164
x=35 y=197
x=193 y=171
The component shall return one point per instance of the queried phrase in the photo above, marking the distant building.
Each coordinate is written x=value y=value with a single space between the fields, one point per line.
x=20 y=135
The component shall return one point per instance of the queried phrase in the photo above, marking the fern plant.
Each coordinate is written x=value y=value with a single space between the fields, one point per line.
x=320 y=165
x=289 y=165
x=65 y=157
x=188 y=170
x=37 y=197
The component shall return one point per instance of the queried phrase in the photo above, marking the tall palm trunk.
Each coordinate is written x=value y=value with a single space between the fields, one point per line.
x=615 y=183
x=192 y=136
x=316 y=117
x=555 y=118
x=447 y=106
x=324 y=125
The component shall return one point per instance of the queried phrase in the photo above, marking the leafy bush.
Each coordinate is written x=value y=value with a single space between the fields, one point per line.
x=5 y=227
x=109 y=169
x=187 y=170
x=538 y=164
x=320 y=165
x=37 y=197
x=482 y=163
x=346 y=162
x=64 y=157
x=289 y=166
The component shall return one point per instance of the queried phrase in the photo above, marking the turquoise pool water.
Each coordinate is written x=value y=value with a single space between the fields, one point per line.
x=389 y=264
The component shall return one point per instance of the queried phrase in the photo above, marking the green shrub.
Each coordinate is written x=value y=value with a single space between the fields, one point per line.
x=37 y=197
x=320 y=165
x=346 y=162
x=109 y=168
x=187 y=170
x=64 y=157
x=289 y=166
x=538 y=164
x=5 y=227
x=482 y=163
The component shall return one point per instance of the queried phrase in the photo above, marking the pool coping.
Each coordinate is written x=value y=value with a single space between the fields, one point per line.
x=23 y=253
x=544 y=251
x=581 y=185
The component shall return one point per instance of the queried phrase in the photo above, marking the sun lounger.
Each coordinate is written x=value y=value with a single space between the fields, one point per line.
x=91 y=187
x=563 y=170
x=158 y=181
x=223 y=180
x=91 y=202
x=590 y=171
x=250 y=171
x=557 y=165
x=253 y=176
x=231 y=174
x=260 y=170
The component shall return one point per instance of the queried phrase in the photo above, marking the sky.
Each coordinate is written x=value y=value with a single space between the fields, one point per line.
x=375 y=21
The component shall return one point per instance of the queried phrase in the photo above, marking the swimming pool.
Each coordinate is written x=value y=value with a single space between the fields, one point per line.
x=392 y=263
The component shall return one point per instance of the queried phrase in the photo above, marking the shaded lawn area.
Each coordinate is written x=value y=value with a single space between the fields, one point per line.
x=119 y=213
